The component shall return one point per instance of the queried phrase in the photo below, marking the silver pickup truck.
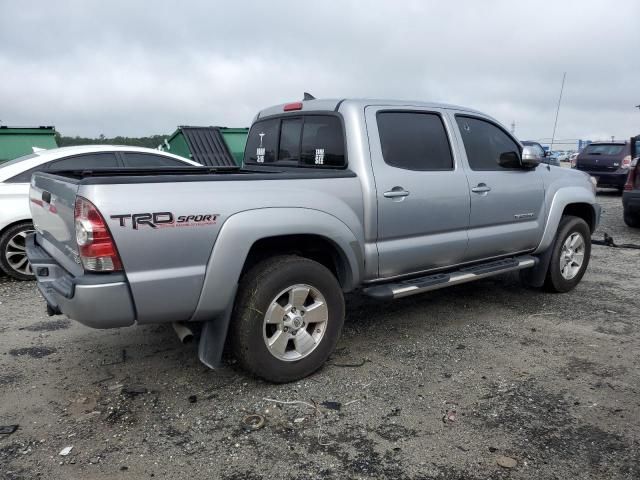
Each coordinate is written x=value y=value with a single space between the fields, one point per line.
x=391 y=198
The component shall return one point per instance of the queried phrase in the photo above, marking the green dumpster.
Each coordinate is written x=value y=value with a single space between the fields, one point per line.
x=211 y=146
x=18 y=141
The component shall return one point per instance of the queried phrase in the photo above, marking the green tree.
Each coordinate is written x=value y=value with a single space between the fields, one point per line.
x=151 y=141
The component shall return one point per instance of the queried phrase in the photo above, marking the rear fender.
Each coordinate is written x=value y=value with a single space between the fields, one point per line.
x=231 y=249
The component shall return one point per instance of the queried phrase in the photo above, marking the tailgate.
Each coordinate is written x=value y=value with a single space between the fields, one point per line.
x=598 y=163
x=52 y=200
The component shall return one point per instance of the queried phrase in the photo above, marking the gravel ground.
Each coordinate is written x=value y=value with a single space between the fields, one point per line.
x=484 y=380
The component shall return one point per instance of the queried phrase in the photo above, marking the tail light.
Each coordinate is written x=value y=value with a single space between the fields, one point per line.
x=95 y=243
x=626 y=162
x=631 y=178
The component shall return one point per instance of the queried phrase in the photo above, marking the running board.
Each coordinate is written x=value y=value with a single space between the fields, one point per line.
x=404 y=288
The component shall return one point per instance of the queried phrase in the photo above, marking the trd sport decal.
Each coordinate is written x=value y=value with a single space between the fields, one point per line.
x=164 y=220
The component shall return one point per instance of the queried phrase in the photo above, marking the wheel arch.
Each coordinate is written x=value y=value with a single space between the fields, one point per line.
x=578 y=201
x=252 y=235
x=14 y=223
x=582 y=210
x=312 y=246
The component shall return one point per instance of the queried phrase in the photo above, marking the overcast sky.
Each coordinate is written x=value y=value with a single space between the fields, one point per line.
x=137 y=68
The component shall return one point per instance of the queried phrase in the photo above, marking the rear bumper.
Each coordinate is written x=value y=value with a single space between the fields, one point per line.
x=615 y=179
x=631 y=201
x=95 y=300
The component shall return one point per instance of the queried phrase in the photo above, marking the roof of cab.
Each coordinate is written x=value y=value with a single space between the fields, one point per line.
x=335 y=104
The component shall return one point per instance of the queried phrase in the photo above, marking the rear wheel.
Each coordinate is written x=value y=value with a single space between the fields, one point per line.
x=570 y=257
x=631 y=220
x=287 y=318
x=13 y=252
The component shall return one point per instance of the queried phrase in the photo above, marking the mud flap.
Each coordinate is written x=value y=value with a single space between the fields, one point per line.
x=213 y=337
x=534 y=277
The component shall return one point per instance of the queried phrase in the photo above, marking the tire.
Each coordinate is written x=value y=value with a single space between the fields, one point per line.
x=632 y=221
x=555 y=280
x=12 y=253
x=282 y=280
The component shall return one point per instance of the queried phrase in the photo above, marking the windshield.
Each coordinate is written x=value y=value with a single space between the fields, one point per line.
x=604 y=149
x=18 y=160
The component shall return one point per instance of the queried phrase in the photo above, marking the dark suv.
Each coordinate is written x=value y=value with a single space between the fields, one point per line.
x=631 y=195
x=608 y=162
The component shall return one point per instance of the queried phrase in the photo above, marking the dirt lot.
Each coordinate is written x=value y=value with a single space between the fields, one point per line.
x=439 y=386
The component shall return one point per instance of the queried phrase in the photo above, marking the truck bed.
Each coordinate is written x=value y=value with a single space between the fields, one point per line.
x=195 y=174
x=165 y=263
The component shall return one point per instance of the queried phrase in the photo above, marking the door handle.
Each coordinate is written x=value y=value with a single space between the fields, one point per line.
x=481 y=188
x=396 y=192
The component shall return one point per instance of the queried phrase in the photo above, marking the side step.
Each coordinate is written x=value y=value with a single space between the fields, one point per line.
x=404 y=288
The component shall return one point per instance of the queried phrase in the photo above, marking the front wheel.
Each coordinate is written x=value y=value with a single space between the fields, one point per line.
x=287 y=318
x=13 y=251
x=570 y=257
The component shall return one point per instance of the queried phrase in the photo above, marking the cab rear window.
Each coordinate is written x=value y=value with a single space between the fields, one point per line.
x=306 y=141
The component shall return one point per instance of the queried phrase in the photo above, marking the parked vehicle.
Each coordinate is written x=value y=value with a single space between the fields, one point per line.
x=607 y=162
x=393 y=198
x=573 y=158
x=631 y=194
x=15 y=175
x=534 y=149
x=563 y=156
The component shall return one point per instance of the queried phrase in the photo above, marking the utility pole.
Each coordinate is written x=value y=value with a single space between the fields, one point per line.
x=513 y=127
x=555 y=124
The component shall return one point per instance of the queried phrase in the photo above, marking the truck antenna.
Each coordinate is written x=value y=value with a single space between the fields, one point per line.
x=308 y=96
x=555 y=124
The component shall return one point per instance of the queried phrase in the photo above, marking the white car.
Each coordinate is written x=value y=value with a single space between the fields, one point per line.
x=15 y=176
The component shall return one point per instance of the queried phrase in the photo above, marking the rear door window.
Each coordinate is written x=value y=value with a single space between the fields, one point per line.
x=309 y=140
x=146 y=160
x=85 y=162
x=414 y=141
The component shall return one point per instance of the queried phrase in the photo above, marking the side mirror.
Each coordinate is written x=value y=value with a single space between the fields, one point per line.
x=547 y=153
x=530 y=159
x=510 y=160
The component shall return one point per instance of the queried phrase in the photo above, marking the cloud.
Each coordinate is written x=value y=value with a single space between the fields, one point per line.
x=135 y=68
